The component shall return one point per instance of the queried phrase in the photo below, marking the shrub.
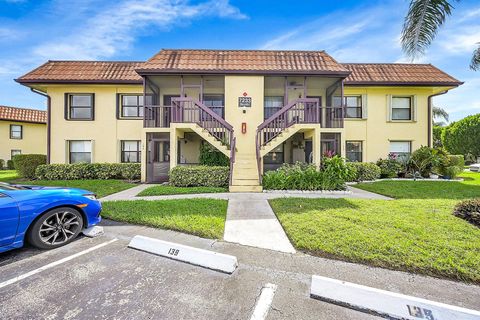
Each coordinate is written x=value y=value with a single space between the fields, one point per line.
x=2 y=164
x=437 y=136
x=10 y=165
x=331 y=176
x=26 y=164
x=389 y=168
x=365 y=171
x=199 y=176
x=210 y=156
x=425 y=159
x=452 y=166
x=462 y=137
x=86 y=171
x=468 y=210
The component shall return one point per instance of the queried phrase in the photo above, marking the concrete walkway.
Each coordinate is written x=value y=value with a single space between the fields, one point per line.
x=353 y=193
x=253 y=223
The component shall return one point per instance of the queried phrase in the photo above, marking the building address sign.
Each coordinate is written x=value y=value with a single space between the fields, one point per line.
x=244 y=102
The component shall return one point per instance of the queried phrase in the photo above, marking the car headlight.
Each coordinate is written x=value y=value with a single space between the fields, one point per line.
x=90 y=196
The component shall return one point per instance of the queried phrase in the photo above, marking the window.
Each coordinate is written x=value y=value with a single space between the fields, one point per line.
x=401 y=108
x=400 y=148
x=276 y=156
x=353 y=105
x=130 y=151
x=80 y=107
x=80 y=151
x=215 y=103
x=272 y=105
x=14 y=153
x=354 y=151
x=16 y=131
x=131 y=105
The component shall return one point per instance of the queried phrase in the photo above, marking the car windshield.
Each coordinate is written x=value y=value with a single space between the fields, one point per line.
x=7 y=186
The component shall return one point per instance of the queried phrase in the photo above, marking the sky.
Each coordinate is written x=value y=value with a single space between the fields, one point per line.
x=34 y=31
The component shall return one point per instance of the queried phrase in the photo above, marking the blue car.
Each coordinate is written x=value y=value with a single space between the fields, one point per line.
x=45 y=217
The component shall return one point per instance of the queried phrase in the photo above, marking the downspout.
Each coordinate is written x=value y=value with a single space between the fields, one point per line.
x=430 y=117
x=49 y=103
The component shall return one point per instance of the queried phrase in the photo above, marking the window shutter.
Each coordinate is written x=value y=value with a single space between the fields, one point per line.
x=414 y=108
x=389 y=107
x=364 y=106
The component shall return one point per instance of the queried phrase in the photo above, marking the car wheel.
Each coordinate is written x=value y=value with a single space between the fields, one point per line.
x=55 y=228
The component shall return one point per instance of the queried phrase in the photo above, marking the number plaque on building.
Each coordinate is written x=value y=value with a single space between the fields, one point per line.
x=244 y=102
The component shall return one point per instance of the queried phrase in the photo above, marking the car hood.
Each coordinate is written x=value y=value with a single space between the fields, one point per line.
x=60 y=190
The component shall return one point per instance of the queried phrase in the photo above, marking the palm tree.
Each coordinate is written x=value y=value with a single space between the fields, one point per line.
x=421 y=25
x=439 y=113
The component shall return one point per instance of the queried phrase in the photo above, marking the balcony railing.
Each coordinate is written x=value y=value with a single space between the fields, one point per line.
x=157 y=116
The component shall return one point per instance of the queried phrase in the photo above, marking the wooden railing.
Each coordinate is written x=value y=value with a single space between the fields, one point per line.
x=157 y=116
x=300 y=111
x=188 y=110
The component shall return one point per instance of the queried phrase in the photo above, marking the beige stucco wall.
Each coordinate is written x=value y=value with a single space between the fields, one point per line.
x=376 y=132
x=105 y=131
x=34 y=139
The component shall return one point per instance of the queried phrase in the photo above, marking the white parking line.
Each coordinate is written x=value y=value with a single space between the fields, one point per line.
x=53 y=264
x=264 y=302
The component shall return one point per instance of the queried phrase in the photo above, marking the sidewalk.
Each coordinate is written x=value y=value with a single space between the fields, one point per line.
x=253 y=223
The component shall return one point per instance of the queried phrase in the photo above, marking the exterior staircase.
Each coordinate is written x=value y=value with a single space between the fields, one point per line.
x=245 y=174
x=283 y=124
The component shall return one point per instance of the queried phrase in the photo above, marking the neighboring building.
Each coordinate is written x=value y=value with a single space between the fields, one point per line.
x=273 y=107
x=22 y=131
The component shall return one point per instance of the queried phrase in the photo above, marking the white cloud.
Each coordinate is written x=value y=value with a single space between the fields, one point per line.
x=358 y=34
x=110 y=31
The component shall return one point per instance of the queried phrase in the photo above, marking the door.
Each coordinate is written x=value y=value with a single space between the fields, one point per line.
x=9 y=218
x=308 y=151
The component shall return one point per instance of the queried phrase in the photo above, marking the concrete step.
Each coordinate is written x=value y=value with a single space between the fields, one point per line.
x=245 y=182
x=256 y=188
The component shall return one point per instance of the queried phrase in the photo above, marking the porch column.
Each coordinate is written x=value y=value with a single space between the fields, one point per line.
x=144 y=157
x=316 y=147
x=173 y=147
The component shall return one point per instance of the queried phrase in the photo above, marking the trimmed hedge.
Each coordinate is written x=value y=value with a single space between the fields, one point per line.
x=26 y=164
x=10 y=165
x=468 y=210
x=365 y=171
x=88 y=171
x=199 y=176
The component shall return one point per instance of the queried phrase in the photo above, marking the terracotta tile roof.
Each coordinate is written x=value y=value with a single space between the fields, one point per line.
x=84 y=71
x=238 y=61
x=397 y=73
x=23 y=114
x=242 y=61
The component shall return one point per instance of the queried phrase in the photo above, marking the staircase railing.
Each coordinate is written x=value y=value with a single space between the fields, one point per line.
x=188 y=110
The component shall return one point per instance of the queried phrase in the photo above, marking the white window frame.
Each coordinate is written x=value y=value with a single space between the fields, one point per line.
x=69 y=153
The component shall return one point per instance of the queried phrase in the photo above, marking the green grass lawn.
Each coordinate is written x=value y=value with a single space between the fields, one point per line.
x=101 y=188
x=407 y=234
x=166 y=190
x=469 y=188
x=201 y=217
x=7 y=175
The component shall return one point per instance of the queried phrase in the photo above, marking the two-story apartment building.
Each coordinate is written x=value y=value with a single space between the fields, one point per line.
x=260 y=108
x=22 y=131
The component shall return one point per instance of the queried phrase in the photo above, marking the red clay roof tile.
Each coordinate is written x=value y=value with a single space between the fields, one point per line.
x=397 y=73
x=23 y=114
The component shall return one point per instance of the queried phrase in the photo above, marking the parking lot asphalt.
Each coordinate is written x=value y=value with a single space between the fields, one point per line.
x=117 y=282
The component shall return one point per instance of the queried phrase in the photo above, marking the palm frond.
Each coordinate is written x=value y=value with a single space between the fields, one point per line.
x=440 y=113
x=421 y=24
x=475 y=63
